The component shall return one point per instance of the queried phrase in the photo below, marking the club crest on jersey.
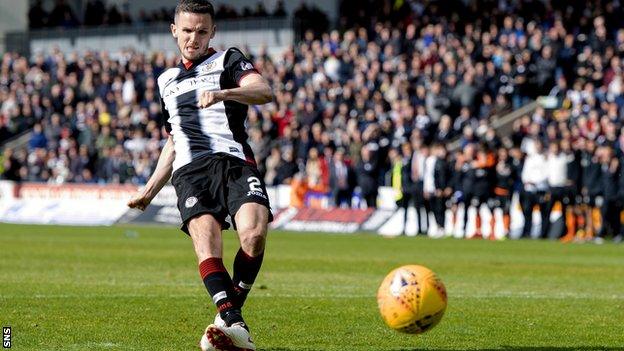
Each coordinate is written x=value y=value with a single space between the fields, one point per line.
x=207 y=67
x=246 y=66
x=190 y=202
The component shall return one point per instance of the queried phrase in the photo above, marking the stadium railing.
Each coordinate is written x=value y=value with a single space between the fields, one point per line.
x=503 y=124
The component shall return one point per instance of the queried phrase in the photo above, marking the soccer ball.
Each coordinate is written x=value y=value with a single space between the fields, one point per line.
x=411 y=299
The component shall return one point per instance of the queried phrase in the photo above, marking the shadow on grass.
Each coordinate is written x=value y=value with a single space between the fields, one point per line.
x=502 y=348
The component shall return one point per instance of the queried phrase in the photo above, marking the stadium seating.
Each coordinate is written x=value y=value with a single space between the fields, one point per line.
x=419 y=75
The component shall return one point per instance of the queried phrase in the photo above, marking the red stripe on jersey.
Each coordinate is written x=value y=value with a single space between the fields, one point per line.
x=189 y=64
x=251 y=161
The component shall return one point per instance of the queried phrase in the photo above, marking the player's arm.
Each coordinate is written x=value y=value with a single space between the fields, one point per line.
x=161 y=175
x=244 y=83
x=253 y=90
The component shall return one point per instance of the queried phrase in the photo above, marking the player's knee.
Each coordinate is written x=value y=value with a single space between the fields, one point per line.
x=252 y=240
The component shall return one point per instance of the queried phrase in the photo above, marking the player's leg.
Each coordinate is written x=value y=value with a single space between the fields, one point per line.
x=477 y=201
x=419 y=205
x=607 y=214
x=439 y=207
x=466 y=209
x=527 y=211
x=251 y=224
x=492 y=204
x=408 y=199
x=542 y=200
x=506 y=206
x=248 y=205
x=205 y=231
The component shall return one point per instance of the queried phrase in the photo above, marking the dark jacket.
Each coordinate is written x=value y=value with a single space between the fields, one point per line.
x=367 y=177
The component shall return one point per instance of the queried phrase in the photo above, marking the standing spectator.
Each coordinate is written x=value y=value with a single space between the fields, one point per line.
x=429 y=183
x=483 y=171
x=465 y=186
x=62 y=15
x=340 y=175
x=407 y=184
x=558 y=182
x=612 y=182
x=437 y=102
x=592 y=190
x=535 y=184
x=37 y=15
x=573 y=190
x=94 y=13
x=10 y=166
x=545 y=70
x=367 y=175
x=504 y=188
x=442 y=184
x=419 y=156
x=272 y=162
x=287 y=168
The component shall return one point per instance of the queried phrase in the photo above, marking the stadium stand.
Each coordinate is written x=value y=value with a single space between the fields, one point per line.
x=367 y=105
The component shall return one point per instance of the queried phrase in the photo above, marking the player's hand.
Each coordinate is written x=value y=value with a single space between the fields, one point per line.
x=140 y=202
x=209 y=98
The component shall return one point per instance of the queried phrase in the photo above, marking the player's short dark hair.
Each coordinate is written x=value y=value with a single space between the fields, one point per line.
x=195 y=6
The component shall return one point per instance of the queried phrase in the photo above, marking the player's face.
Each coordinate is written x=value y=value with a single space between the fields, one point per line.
x=193 y=32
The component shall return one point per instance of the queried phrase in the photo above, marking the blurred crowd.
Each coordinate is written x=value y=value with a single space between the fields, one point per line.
x=99 y=12
x=376 y=103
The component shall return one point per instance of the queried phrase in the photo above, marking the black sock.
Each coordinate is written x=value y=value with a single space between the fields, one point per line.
x=246 y=270
x=219 y=286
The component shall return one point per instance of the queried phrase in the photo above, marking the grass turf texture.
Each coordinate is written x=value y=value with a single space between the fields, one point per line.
x=137 y=288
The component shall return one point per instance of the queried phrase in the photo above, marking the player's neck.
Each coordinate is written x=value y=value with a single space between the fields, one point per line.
x=188 y=64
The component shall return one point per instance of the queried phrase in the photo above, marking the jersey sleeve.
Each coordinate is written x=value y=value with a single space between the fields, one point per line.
x=165 y=116
x=237 y=66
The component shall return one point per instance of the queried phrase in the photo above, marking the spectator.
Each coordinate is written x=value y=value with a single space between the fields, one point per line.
x=612 y=183
x=37 y=15
x=442 y=185
x=535 y=183
x=38 y=139
x=341 y=180
x=374 y=86
x=286 y=168
x=367 y=175
x=62 y=15
x=93 y=13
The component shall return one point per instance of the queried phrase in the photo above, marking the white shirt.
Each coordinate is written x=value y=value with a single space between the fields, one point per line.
x=534 y=173
x=428 y=181
x=557 y=169
x=418 y=164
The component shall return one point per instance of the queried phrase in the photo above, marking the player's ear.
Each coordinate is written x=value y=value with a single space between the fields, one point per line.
x=174 y=31
x=214 y=30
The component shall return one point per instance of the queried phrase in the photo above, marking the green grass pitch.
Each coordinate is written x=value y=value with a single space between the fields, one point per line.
x=138 y=288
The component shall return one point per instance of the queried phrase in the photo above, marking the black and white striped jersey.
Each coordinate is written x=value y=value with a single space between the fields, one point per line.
x=219 y=128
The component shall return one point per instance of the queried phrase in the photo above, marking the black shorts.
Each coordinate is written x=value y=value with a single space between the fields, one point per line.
x=478 y=198
x=219 y=185
x=501 y=201
x=593 y=200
